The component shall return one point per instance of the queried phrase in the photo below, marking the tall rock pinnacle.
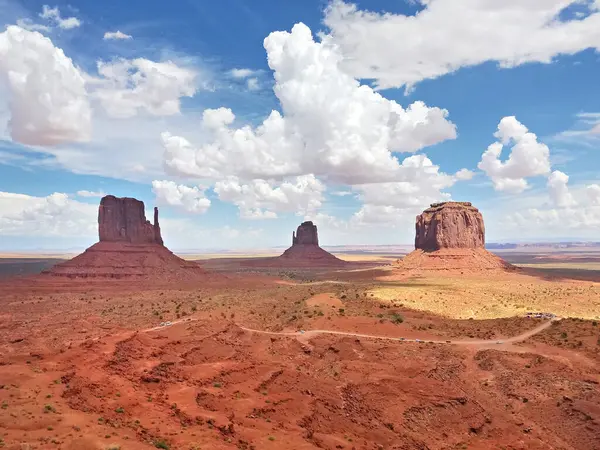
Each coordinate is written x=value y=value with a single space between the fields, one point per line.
x=450 y=225
x=306 y=235
x=124 y=220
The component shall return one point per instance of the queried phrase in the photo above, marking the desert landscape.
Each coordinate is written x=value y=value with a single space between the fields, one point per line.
x=128 y=346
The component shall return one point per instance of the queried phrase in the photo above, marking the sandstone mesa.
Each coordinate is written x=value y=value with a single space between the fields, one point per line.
x=450 y=236
x=450 y=225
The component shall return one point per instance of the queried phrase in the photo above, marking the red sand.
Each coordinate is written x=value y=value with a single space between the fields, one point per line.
x=84 y=368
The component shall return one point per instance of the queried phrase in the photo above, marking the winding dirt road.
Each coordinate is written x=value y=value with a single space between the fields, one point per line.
x=306 y=335
x=312 y=333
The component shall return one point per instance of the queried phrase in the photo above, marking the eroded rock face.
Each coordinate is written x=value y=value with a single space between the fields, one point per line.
x=305 y=250
x=124 y=220
x=306 y=234
x=450 y=225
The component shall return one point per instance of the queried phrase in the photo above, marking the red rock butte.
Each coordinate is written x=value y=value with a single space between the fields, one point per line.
x=451 y=236
x=130 y=247
x=305 y=250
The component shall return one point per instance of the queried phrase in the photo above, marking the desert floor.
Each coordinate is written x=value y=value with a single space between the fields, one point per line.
x=366 y=358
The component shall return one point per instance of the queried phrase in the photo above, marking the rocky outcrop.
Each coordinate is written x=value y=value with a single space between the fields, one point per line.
x=450 y=237
x=306 y=234
x=130 y=247
x=124 y=220
x=450 y=225
x=304 y=252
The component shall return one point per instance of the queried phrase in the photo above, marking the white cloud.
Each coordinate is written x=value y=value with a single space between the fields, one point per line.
x=116 y=35
x=464 y=174
x=449 y=34
x=190 y=199
x=586 y=130
x=341 y=193
x=253 y=84
x=557 y=222
x=421 y=184
x=48 y=100
x=242 y=73
x=53 y=15
x=90 y=194
x=128 y=87
x=30 y=25
x=559 y=190
x=593 y=192
x=327 y=222
x=528 y=157
x=573 y=211
x=386 y=215
x=332 y=126
x=54 y=215
x=261 y=199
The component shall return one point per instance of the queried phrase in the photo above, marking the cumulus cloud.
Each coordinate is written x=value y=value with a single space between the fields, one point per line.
x=377 y=215
x=54 y=215
x=559 y=190
x=90 y=194
x=573 y=211
x=30 y=25
x=528 y=157
x=557 y=220
x=190 y=199
x=332 y=126
x=127 y=87
x=116 y=36
x=53 y=15
x=253 y=84
x=422 y=183
x=464 y=174
x=47 y=95
x=242 y=73
x=593 y=192
x=261 y=199
x=449 y=34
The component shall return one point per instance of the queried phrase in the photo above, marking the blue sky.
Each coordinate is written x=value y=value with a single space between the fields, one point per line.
x=170 y=110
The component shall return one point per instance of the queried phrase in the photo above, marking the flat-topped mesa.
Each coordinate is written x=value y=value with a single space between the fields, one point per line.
x=124 y=220
x=306 y=234
x=450 y=225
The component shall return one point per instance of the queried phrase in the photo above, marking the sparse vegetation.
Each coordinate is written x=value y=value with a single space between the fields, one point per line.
x=396 y=318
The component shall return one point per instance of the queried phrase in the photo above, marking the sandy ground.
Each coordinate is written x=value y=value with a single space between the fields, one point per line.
x=363 y=359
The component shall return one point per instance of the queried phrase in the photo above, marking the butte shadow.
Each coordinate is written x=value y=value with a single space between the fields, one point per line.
x=129 y=247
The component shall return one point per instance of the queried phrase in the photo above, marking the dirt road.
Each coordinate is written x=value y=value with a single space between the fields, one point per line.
x=312 y=333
